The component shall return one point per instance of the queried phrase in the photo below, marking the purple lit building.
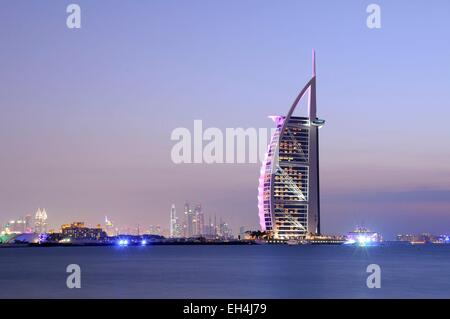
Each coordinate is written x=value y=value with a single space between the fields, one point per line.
x=288 y=198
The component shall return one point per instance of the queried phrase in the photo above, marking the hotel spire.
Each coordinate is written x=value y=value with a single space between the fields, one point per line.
x=313 y=62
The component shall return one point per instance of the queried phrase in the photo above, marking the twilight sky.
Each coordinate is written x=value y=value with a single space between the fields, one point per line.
x=86 y=115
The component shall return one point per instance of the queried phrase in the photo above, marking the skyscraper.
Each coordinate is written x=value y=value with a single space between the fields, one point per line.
x=288 y=197
x=174 y=231
x=40 y=224
x=209 y=229
x=224 y=230
x=189 y=221
x=199 y=220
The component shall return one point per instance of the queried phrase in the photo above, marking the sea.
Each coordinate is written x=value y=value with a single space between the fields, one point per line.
x=227 y=271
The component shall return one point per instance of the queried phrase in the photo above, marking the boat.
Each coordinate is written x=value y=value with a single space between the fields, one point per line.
x=363 y=237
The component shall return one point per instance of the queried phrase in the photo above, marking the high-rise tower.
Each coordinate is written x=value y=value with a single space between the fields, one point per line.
x=288 y=197
x=200 y=220
x=173 y=222
x=40 y=225
x=189 y=221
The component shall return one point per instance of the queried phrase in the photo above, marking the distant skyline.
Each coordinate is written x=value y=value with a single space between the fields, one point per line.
x=86 y=115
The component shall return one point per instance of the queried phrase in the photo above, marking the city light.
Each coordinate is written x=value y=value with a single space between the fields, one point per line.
x=362 y=240
x=123 y=242
x=363 y=237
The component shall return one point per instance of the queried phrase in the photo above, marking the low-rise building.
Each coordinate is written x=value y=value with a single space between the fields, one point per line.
x=78 y=231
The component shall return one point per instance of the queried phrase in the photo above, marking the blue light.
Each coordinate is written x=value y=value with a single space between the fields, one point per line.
x=42 y=238
x=144 y=242
x=123 y=242
x=362 y=240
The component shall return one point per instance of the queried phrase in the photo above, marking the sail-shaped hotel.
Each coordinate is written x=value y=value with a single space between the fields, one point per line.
x=289 y=198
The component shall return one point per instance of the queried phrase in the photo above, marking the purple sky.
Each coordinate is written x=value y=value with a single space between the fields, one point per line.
x=86 y=115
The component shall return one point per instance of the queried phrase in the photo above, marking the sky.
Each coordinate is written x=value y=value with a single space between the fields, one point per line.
x=86 y=114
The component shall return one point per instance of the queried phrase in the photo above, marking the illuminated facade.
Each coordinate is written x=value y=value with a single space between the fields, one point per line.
x=189 y=225
x=15 y=227
x=40 y=224
x=78 y=231
x=173 y=222
x=109 y=227
x=288 y=198
x=199 y=221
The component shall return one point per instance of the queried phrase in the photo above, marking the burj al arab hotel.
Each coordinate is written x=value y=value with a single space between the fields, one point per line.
x=288 y=196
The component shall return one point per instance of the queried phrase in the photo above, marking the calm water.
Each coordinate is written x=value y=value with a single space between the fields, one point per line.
x=226 y=272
